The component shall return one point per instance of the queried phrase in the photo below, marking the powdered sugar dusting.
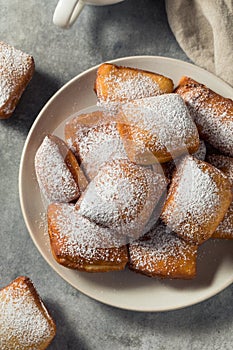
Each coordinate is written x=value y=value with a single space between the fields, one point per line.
x=161 y=245
x=21 y=321
x=55 y=180
x=223 y=163
x=165 y=118
x=212 y=113
x=126 y=86
x=122 y=196
x=201 y=152
x=225 y=228
x=79 y=237
x=96 y=145
x=195 y=199
x=14 y=65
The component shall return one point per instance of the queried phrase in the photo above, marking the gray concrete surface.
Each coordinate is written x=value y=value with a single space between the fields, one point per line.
x=134 y=27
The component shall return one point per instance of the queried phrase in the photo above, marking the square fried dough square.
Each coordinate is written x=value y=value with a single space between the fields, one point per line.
x=198 y=199
x=25 y=323
x=117 y=84
x=212 y=113
x=122 y=196
x=161 y=253
x=80 y=244
x=16 y=70
x=95 y=140
x=157 y=129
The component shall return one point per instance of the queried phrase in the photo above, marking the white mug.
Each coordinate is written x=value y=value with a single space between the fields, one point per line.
x=67 y=11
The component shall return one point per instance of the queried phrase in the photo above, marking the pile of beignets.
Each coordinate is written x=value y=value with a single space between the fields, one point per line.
x=144 y=180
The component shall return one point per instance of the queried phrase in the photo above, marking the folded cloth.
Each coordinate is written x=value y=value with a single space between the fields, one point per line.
x=204 y=30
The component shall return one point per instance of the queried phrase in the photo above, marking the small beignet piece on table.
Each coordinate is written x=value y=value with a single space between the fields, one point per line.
x=225 y=164
x=117 y=84
x=212 y=113
x=122 y=196
x=16 y=70
x=198 y=199
x=161 y=253
x=95 y=140
x=157 y=129
x=57 y=170
x=25 y=323
x=78 y=243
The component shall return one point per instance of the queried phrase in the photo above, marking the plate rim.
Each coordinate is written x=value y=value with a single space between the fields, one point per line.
x=22 y=161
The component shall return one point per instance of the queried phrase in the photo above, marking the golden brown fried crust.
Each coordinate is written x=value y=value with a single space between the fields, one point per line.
x=106 y=82
x=223 y=163
x=80 y=257
x=150 y=134
x=163 y=254
x=225 y=228
x=147 y=157
x=71 y=162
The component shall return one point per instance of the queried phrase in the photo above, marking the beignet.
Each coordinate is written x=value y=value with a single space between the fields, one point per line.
x=80 y=244
x=198 y=199
x=94 y=138
x=25 y=323
x=116 y=84
x=16 y=70
x=225 y=228
x=225 y=164
x=58 y=173
x=212 y=113
x=122 y=196
x=161 y=253
x=158 y=129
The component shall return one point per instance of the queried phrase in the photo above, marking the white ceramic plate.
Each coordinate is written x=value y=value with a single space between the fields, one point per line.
x=124 y=289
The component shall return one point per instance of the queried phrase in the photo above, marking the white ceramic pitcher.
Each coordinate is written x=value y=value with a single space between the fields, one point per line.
x=67 y=11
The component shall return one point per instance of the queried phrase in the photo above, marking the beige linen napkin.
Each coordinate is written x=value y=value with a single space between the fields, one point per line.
x=204 y=30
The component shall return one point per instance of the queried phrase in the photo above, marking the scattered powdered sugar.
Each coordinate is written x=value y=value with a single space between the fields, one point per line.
x=14 y=65
x=55 y=179
x=165 y=118
x=123 y=196
x=195 y=198
x=126 y=86
x=161 y=245
x=21 y=320
x=79 y=237
x=213 y=114
x=96 y=145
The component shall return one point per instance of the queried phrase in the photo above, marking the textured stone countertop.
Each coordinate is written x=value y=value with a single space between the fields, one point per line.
x=134 y=27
